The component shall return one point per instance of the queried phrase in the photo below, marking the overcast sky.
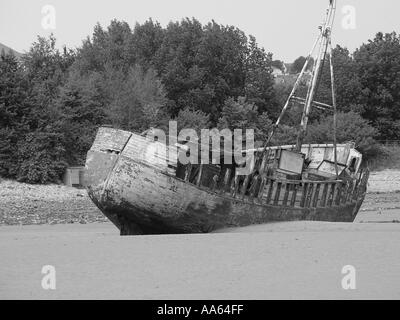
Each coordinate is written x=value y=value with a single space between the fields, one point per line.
x=286 y=28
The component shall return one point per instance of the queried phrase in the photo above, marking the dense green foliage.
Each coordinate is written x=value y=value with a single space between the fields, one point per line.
x=203 y=76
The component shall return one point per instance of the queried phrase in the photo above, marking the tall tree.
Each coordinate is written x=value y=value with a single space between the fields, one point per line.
x=139 y=101
x=259 y=81
x=378 y=68
x=13 y=110
x=41 y=154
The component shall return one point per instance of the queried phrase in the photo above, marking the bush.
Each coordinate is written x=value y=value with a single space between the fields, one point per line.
x=7 y=151
x=387 y=157
x=284 y=135
x=241 y=114
x=41 y=157
x=350 y=127
x=192 y=119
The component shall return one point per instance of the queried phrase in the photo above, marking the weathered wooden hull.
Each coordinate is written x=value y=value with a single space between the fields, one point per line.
x=140 y=198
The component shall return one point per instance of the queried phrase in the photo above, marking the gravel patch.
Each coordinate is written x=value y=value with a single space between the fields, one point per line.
x=22 y=204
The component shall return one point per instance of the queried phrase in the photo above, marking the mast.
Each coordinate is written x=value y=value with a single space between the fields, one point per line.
x=323 y=42
x=326 y=29
x=334 y=108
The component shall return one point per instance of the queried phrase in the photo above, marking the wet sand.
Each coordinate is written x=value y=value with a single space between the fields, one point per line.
x=291 y=260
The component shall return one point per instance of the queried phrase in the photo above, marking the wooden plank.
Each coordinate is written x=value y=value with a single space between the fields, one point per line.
x=316 y=195
x=356 y=188
x=343 y=198
x=266 y=188
x=354 y=194
x=331 y=195
x=338 y=194
x=264 y=164
x=235 y=186
x=227 y=180
x=244 y=186
x=262 y=187
x=271 y=187
x=292 y=146
x=277 y=193
x=324 y=196
x=309 y=181
x=286 y=195
x=304 y=195
x=188 y=171
x=198 y=181
x=362 y=185
x=310 y=192
x=350 y=191
x=294 y=195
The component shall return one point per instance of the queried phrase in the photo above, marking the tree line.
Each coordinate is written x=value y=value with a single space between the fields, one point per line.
x=203 y=76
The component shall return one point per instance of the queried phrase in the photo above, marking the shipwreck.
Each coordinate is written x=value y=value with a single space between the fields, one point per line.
x=147 y=192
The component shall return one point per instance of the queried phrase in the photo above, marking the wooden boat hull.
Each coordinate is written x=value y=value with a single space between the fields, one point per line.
x=139 y=198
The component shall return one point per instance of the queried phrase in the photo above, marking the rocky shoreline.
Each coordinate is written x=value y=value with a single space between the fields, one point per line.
x=25 y=204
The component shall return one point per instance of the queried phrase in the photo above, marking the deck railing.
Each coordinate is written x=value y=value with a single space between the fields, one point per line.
x=309 y=194
x=286 y=193
x=269 y=190
x=297 y=193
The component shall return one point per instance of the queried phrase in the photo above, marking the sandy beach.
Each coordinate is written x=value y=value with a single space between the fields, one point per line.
x=296 y=260
x=290 y=260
